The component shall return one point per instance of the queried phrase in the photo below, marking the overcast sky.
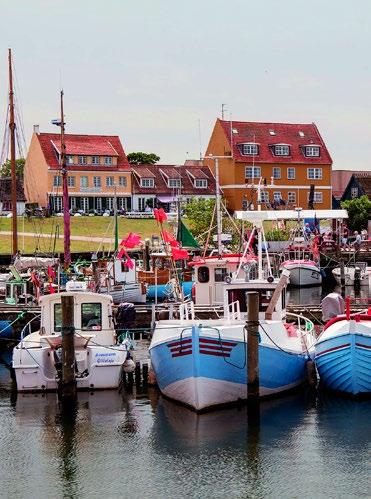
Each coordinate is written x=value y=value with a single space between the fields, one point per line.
x=152 y=70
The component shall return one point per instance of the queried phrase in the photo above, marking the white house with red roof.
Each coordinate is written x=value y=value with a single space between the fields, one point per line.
x=288 y=157
x=97 y=171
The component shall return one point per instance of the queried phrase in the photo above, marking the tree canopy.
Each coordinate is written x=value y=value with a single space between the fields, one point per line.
x=5 y=170
x=359 y=212
x=142 y=158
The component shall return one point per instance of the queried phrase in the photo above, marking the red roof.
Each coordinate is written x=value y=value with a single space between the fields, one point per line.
x=340 y=180
x=161 y=187
x=88 y=145
x=267 y=135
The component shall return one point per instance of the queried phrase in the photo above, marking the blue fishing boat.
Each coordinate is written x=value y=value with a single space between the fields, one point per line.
x=343 y=353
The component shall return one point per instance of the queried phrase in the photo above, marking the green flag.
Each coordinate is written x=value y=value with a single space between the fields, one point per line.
x=185 y=237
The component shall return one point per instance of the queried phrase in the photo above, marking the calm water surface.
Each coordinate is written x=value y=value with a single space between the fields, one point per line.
x=116 y=445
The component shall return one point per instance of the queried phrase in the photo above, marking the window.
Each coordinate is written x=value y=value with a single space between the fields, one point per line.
x=276 y=172
x=281 y=150
x=220 y=274
x=277 y=196
x=84 y=181
x=58 y=204
x=250 y=149
x=97 y=181
x=73 y=203
x=122 y=182
x=71 y=181
x=98 y=204
x=244 y=204
x=82 y=160
x=95 y=160
x=85 y=204
x=57 y=181
x=147 y=182
x=264 y=197
x=203 y=274
x=91 y=316
x=291 y=173
x=109 y=181
x=109 y=203
x=58 y=317
x=141 y=204
x=312 y=151
x=174 y=182
x=314 y=173
x=354 y=192
x=252 y=172
x=201 y=183
x=69 y=159
x=108 y=160
x=317 y=197
x=291 y=197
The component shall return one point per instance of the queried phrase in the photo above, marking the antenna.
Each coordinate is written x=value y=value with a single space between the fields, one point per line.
x=199 y=137
x=223 y=106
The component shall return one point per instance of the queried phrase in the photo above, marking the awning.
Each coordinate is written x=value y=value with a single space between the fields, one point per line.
x=166 y=199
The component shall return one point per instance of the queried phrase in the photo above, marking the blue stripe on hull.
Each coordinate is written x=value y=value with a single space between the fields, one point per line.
x=278 y=369
x=344 y=363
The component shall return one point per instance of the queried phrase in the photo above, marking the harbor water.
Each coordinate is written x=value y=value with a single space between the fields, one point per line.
x=112 y=444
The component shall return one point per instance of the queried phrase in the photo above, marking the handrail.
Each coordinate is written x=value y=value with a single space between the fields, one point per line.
x=308 y=327
x=28 y=326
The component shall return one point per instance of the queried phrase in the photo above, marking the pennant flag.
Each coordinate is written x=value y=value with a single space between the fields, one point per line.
x=160 y=215
x=131 y=241
x=179 y=254
x=185 y=237
x=121 y=253
x=169 y=238
x=128 y=262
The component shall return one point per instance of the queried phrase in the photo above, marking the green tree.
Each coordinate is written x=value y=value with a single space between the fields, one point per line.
x=5 y=170
x=359 y=212
x=142 y=158
x=200 y=213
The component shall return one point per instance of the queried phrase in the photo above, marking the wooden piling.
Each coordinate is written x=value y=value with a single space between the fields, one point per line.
x=252 y=326
x=137 y=373
x=68 y=381
x=145 y=374
x=342 y=278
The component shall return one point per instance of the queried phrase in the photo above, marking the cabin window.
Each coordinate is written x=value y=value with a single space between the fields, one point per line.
x=239 y=295
x=220 y=274
x=91 y=316
x=203 y=274
x=58 y=317
x=124 y=268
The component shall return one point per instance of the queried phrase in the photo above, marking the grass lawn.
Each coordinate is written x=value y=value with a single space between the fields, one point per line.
x=80 y=226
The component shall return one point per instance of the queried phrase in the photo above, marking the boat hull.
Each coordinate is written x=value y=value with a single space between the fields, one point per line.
x=349 y=277
x=304 y=275
x=203 y=372
x=344 y=363
x=128 y=293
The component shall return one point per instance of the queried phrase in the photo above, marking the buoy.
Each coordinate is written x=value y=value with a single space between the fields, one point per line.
x=129 y=366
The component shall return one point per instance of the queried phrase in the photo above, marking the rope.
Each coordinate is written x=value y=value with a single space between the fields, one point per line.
x=274 y=343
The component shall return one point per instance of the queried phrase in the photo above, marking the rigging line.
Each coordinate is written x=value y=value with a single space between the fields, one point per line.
x=274 y=343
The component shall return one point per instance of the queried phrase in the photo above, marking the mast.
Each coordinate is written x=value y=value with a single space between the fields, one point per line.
x=12 y=157
x=66 y=207
x=218 y=212
x=116 y=219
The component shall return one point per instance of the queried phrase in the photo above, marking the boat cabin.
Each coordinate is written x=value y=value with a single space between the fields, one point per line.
x=92 y=315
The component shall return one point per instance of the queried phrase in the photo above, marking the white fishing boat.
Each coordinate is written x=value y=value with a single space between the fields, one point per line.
x=98 y=358
x=357 y=273
x=303 y=272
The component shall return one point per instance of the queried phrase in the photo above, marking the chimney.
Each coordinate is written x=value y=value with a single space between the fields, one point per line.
x=36 y=129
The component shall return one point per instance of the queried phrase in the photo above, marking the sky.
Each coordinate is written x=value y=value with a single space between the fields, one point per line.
x=156 y=72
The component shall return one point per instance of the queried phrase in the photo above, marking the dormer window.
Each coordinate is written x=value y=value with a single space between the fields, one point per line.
x=147 y=182
x=108 y=160
x=281 y=150
x=200 y=183
x=82 y=160
x=311 y=151
x=250 y=149
x=174 y=182
x=95 y=160
x=69 y=159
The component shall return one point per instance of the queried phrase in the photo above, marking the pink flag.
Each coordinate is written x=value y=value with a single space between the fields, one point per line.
x=51 y=273
x=121 y=253
x=169 y=238
x=128 y=262
x=179 y=254
x=160 y=215
x=131 y=241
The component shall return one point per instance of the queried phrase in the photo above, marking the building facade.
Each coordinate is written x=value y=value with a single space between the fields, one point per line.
x=359 y=185
x=285 y=159
x=98 y=170
x=162 y=185
x=6 y=196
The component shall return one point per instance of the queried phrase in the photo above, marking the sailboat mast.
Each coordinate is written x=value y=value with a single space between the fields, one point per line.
x=12 y=157
x=218 y=212
x=66 y=208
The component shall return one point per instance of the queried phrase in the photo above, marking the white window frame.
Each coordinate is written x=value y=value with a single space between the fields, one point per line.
x=277 y=196
x=314 y=173
x=276 y=170
x=250 y=149
x=281 y=150
x=123 y=181
x=71 y=181
x=82 y=160
x=109 y=203
x=110 y=181
x=98 y=204
x=292 y=195
x=264 y=196
x=108 y=160
x=57 y=181
x=84 y=203
x=69 y=159
x=142 y=204
x=84 y=181
x=354 y=192
x=73 y=203
x=95 y=160
x=147 y=182
x=200 y=183
x=291 y=173
x=312 y=151
x=317 y=197
x=255 y=172
x=97 y=181
x=58 y=203
x=174 y=183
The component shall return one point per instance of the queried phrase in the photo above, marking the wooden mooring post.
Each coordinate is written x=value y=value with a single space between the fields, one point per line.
x=68 y=381
x=252 y=326
x=342 y=277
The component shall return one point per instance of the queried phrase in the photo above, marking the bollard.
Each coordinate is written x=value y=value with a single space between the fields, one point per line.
x=252 y=326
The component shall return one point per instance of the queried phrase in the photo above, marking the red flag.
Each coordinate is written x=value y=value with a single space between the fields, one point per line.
x=121 y=253
x=160 y=215
x=129 y=262
x=179 y=254
x=315 y=251
x=169 y=238
x=51 y=289
x=51 y=273
x=131 y=241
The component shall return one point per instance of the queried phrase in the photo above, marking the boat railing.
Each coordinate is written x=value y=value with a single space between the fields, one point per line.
x=306 y=329
x=233 y=311
x=187 y=310
x=27 y=328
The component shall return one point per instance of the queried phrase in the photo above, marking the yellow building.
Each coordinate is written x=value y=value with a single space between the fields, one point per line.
x=97 y=167
x=285 y=158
